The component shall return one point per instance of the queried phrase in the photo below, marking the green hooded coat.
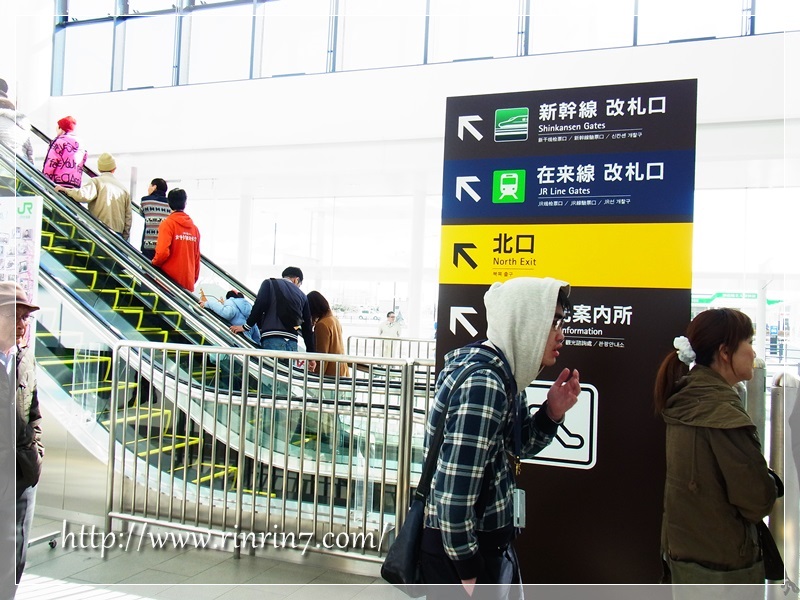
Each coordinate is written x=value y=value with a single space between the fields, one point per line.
x=718 y=485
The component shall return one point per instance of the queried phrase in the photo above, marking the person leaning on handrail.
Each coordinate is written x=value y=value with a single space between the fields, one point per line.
x=235 y=310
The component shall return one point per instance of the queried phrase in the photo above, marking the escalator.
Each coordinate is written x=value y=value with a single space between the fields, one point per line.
x=210 y=272
x=96 y=289
x=104 y=273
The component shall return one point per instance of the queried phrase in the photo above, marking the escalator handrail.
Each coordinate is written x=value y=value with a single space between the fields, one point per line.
x=154 y=280
x=123 y=252
x=232 y=281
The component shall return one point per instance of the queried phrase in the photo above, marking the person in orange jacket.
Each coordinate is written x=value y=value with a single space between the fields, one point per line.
x=178 y=245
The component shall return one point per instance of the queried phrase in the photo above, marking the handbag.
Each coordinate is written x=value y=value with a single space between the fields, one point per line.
x=401 y=565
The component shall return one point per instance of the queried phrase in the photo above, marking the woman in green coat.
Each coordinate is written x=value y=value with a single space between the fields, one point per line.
x=718 y=485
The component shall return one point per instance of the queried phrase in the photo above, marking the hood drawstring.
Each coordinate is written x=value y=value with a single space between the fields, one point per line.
x=692 y=485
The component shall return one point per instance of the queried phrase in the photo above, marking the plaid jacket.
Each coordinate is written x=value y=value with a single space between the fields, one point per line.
x=479 y=431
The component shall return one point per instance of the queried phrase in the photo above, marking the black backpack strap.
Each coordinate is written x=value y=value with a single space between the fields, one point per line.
x=424 y=486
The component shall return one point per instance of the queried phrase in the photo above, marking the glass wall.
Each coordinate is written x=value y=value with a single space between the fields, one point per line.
x=686 y=19
x=197 y=41
x=220 y=43
x=88 y=50
x=590 y=25
x=382 y=33
x=468 y=29
x=149 y=42
x=293 y=42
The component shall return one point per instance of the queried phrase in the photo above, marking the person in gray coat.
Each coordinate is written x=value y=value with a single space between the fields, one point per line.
x=15 y=130
x=19 y=381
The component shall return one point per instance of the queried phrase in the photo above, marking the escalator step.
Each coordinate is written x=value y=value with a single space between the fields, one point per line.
x=73 y=362
x=121 y=386
x=166 y=449
x=92 y=283
x=143 y=413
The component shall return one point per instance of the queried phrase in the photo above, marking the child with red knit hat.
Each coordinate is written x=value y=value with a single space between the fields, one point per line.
x=63 y=164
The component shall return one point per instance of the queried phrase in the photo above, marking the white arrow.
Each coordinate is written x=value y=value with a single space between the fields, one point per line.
x=464 y=123
x=457 y=314
x=462 y=183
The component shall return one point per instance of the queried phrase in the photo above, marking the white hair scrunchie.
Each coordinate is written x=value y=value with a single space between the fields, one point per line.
x=685 y=353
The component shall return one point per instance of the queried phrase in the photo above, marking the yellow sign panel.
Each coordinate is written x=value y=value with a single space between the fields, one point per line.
x=633 y=255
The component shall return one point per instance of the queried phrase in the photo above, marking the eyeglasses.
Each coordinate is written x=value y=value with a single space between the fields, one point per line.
x=24 y=316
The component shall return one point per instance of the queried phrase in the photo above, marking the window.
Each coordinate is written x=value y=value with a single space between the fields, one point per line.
x=777 y=15
x=220 y=43
x=741 y=223
x=295 y=40
x=661 y=22
x=381 y=33
x=143 y=6
x=90 y=9
x=149 y=43
x=464 y=29
x=564 y=25
x=87 y=58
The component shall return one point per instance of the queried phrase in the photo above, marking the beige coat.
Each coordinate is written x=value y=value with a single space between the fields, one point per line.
x=108 y=201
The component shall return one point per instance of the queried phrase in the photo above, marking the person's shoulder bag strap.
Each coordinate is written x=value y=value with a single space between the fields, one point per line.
x=424 y=486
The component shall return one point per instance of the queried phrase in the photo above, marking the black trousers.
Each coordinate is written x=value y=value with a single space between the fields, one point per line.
x=500 y=580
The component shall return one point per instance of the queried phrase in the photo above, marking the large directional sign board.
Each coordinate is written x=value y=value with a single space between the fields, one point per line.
x=595 y=186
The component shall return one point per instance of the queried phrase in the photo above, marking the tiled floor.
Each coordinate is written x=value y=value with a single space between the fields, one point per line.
x=186 y=574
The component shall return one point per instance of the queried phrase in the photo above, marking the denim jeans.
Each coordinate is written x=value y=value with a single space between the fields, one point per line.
x=25 y=504
x=279 y=343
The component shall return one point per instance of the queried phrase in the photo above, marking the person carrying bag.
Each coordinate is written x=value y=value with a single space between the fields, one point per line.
x=474 y=509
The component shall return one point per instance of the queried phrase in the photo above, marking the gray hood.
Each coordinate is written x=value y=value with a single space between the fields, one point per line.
x=519 y=315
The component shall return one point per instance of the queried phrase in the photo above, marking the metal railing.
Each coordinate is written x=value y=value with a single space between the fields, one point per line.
x=784 y=459
x=247 y=449
x=391 y=347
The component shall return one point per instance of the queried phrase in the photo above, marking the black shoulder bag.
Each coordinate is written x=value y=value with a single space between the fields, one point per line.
x=401 y=565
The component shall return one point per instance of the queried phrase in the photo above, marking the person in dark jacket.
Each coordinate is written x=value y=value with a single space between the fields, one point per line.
x=18 y=381
x=282 y=314
x=718 y=486
x=155 y=209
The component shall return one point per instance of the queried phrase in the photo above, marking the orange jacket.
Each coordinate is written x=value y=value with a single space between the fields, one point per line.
x=178 y=249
